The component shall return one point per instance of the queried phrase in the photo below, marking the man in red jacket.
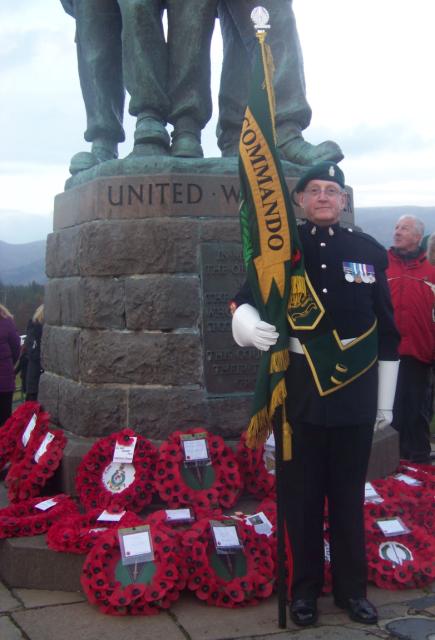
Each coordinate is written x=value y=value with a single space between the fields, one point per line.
x=412 y=283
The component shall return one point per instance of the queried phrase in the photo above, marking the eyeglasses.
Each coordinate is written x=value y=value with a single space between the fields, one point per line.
x=329 y=192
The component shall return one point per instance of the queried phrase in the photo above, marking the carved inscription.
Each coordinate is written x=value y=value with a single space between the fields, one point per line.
x=178 y=195
x=227 y=368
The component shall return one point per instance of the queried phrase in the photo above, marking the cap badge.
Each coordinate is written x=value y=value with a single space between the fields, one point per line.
x=331 y=171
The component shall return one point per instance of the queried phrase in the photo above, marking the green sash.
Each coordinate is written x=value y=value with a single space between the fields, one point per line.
x=332 y=364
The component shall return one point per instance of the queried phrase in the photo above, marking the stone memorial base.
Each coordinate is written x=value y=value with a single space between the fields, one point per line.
x=138 y=333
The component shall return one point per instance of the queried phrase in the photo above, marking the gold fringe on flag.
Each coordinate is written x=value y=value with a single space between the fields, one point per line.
x=259 y=429
x=298 y=291
x=279 y=361
x=279 y=395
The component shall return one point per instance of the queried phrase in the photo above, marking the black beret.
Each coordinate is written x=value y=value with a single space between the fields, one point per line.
x=321 y=171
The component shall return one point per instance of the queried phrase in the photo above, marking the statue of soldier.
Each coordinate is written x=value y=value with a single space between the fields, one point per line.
x=293 y=113
x=122 y=42
x=168 y=82
x=99 y=56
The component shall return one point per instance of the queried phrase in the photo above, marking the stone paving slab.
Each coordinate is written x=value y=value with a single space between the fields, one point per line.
x=412 y=629
x=9 y=631
x=31 y=598
x=7 y=601
x=82 y=622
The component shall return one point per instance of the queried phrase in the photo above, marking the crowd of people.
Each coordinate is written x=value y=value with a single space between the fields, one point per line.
x=19 y=358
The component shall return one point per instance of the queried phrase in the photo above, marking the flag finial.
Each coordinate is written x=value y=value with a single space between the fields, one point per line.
x=260 y=18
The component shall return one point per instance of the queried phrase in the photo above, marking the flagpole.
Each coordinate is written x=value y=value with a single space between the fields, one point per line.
x=280 y=520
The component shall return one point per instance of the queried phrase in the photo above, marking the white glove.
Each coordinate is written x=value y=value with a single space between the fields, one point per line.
x=387 y=379
x=250 y=331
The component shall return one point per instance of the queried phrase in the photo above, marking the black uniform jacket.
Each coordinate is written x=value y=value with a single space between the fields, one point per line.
x=331 y=255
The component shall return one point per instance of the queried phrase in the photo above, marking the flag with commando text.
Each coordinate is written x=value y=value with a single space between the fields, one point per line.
x=271 y=247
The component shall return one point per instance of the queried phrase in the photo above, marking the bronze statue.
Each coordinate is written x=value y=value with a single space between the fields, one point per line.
x=99 y=56
x=122 y=43
x=293 y=113
x=168 y=82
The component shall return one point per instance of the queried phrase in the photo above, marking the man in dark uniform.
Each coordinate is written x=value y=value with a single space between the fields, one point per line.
x=332 y=416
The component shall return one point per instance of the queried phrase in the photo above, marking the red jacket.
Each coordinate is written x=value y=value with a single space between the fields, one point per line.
x=414 y=304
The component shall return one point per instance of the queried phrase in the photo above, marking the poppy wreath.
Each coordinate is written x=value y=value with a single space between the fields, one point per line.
x=405 y=561
x=77 y=533
x=11 y=433
x=27 y=477
x=423 y=472
x=414 y=502
x=142 y=589
x=200 y=487
x=228 y=580
x=257 y=469
x=103 y=484
x=25 y=519
x=173 y=528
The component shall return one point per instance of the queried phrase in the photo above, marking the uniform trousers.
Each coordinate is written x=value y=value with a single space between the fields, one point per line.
x=328 y=467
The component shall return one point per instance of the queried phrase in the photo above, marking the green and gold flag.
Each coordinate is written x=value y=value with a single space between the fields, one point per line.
x=271 y=247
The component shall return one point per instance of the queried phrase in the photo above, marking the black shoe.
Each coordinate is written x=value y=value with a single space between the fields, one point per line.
x=359 y=609
x=303 y=611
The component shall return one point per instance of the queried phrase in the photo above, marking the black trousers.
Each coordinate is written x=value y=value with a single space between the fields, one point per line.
x=412 y=411
x=329 y=463
x=5 y=406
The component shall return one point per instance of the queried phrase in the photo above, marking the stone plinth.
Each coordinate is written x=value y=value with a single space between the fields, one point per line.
x=141 y=269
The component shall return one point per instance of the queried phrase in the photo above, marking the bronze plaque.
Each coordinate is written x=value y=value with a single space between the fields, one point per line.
x=227 y=367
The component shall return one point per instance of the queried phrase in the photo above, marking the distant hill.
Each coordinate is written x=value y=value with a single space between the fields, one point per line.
x=19 y=227
x=379 y=222
x=22 y=263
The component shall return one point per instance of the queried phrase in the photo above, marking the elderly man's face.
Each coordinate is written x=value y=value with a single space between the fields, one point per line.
x=322 y=202
x=406 y=237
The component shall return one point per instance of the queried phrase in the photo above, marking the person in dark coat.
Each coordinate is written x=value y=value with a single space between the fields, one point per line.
x=9 y=354
x=33 y=349
x=332 y=417
x=411 y=278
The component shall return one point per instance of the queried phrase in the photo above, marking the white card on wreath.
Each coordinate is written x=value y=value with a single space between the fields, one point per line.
x=392 y=527
x=270 y=442
x=181 y=515
x=412 y=482
x=261 y=523
x=45 y=504
x=195 y=450
x=28 y=430
x=371 y=495
x=135 y=544
x=226 y=537
x=49 y=437
x=124 y=452
x=106 y=516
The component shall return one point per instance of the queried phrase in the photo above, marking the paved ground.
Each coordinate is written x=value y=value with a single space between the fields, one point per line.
x=57 y=615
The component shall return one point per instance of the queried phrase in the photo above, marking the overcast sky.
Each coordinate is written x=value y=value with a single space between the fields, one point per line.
x=370 y=82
